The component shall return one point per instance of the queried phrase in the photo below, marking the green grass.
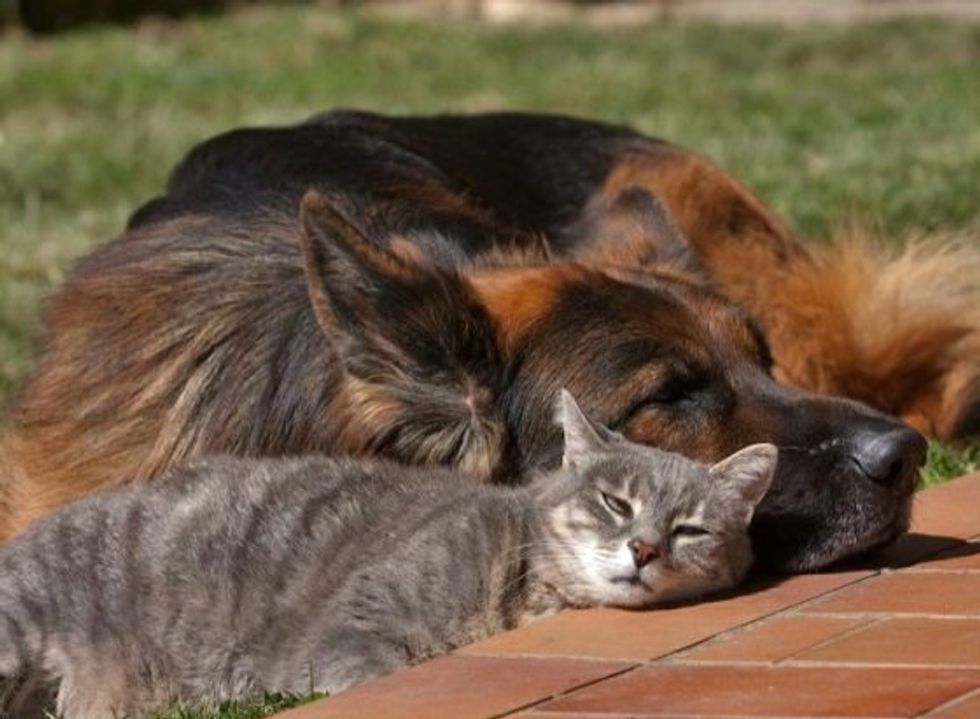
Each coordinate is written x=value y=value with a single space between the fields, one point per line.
x=261 y=707
x=877 y=122
x=882 y=122
x=946 y=462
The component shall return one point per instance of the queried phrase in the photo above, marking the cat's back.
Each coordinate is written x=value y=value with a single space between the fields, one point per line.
x=214 y=568
x=286 y=504
x=294 y=550
x=239 y=516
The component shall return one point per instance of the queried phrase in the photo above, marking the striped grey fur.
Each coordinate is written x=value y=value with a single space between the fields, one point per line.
x=234 y=576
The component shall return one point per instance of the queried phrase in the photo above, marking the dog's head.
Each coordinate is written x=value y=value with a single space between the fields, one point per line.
x=440 y=366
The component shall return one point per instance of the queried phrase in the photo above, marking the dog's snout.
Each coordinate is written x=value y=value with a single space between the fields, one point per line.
x=890 y=457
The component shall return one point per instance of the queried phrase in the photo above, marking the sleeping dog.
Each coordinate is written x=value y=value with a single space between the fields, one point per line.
x=444 y=278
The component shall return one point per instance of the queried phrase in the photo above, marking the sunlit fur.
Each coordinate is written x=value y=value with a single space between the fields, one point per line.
x=591 y=540
x=293 y=339
x=694 y=516
x=892 y=322
x=896 y=325
x=455 y=273
x=234 y=577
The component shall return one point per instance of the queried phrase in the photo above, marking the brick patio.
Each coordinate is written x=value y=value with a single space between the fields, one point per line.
x=896 y=637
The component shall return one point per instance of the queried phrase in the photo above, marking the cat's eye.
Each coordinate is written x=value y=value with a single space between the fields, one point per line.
x=617 y=505
x=689 y=530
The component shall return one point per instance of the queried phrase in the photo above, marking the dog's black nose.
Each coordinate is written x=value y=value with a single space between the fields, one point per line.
x=890 y=457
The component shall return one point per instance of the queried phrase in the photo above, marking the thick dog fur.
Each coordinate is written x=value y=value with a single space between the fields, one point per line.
x=453 y=275
x=898 y=329
x=550 y=182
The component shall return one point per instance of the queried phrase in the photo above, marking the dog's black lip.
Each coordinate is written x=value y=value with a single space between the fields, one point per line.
x=901 y=523
x=886 y=535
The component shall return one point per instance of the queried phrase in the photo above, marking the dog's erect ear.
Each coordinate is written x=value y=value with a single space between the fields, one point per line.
x=634 y=230
x=421 y=367
x=742 y=479
x=346 y=273
x=427 y=316
x=583 y=437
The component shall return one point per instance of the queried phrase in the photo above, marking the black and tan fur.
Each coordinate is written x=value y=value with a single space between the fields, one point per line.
x=897 y=330
x=453 y=274
x=235 y=577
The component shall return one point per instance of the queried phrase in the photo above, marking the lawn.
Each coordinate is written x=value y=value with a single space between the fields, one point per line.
x=879 y=123
x=267 y=706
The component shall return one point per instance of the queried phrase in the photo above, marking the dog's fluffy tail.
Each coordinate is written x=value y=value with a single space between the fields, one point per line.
x=894 y=325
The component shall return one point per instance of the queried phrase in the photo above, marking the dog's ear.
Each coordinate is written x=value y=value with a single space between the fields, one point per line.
x=420 y=364
x=742 y=479
x=348 y=276
x=634 y=230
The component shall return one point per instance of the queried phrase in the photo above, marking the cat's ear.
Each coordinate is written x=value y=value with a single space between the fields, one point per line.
x=633 y=229
x=742 y=480
x=583 y=437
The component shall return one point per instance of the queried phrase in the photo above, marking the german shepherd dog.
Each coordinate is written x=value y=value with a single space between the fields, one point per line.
x=446 y=278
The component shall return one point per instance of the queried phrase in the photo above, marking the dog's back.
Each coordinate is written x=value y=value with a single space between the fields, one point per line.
x=897 y=330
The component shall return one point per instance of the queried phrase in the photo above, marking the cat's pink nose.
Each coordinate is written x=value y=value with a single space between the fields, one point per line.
x=643 y=553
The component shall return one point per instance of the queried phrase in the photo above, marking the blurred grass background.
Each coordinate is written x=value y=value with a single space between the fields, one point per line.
x=879 y=122
x=876 y=122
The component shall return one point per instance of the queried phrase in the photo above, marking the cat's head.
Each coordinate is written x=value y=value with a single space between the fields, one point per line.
x=629 y=525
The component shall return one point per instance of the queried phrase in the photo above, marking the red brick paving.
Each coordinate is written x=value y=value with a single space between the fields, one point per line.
x=459 y=686
x=897 y=636
x=961 y=708
x=611 y=633
x=950 y=642
x=778 y=638
x=945 y=593
x=771 y=691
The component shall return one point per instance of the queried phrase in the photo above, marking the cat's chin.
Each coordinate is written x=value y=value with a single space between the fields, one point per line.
x=629 y=592
x=634 y=592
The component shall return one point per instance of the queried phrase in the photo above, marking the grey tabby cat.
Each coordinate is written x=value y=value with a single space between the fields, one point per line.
x=232 y=576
